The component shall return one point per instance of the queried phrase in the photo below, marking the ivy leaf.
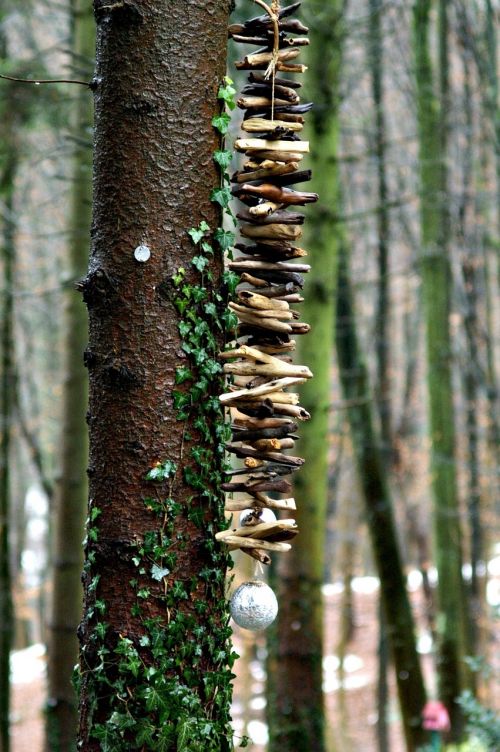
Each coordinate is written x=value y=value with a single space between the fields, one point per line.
x=224 y=238
x=195 y=234
x=231 y=280
x=207 y=248
x=158 y=573
x=182 y=374
x=226 y=93
x=181 y=400
x=221 y=196
x=199 y=262
x=221 y=122
x=223 y=158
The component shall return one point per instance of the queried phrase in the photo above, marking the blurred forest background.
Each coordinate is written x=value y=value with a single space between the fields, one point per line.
x=407 y=157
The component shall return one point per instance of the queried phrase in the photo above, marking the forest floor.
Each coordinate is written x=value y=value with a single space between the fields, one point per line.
x=351 y=703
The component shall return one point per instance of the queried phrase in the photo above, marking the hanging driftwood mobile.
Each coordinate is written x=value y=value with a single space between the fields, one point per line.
x=264 y=413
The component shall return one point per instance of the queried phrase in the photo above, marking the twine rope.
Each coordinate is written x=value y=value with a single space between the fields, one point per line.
x=274 y=14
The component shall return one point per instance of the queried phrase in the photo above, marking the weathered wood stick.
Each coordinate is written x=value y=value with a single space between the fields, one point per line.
x=290 y=67
x=280 y=231
x=249 y=452
x=260 y=78
x=237 y=541
x=277 y=217
x=281 y=315
x=243 y=423
x=264 y=253
x=278 y=156
x=264 y=389
x=275 y=193
x=248 y=103
x=261 y=357
x=238 y=505
x=276 y=486
x=252 y=265
x=266 y=90
x=262 y=174
x=279 y=398
x=290 y=179
x=255 y=300
x=264 y=209
x=264 y=58
x=272 y=324
x=277 y=348
x=300 y=327
x=260 y=144
x=273 y=445
x=279 y=292
x=267 y=369
x=282 y=529
x=256 y=554
x=283 y=111
x=251 y=280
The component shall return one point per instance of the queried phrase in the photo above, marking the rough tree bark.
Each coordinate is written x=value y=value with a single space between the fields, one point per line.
x=296 y=718
x=380 y=518
x=71 y=491
x=154 y=634
x=435 y=270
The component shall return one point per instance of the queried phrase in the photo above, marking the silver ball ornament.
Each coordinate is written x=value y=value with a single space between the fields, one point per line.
x=253 y=605
x=262 y=515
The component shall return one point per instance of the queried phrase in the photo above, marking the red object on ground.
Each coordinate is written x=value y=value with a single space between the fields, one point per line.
x=435 y=716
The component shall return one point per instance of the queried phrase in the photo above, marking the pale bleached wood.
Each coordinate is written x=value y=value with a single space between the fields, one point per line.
x=238 y=505
x=261 y=125
x=260 y=144
x=271 y=387
x=238 y=541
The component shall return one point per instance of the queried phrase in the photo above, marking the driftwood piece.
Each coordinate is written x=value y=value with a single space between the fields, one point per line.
x=268 y=363
x=261 y=144
x=260 y=78
x=281 y=485
x=255 y=300
x=238 y=541
x=276 y=193
x=276 y=230
x=238 y=505
x=256 y=102
x=268 y=388
x=278 y=217
x=251 y=265
x=263 y=173
x=278 y=457
x=266 y=89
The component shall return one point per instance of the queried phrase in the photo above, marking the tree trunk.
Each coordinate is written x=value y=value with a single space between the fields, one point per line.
x=435 y=270
x=71 y=492
x=9 y=170
x=380 y=519
x=382 y=338
x=296 y=717
x=154 y=636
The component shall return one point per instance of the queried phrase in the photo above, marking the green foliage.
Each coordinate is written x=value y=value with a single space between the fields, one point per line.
x=483 y=723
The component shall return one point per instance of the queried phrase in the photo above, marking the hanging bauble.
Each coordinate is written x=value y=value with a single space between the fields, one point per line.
x=253 y=516
x=253 y=605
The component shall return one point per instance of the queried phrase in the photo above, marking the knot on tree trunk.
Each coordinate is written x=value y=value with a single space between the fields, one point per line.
x=122 y=12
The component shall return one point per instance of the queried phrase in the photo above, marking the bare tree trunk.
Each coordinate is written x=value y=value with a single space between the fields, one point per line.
x=154 y=635
x=380 y=519
x=6 y=410
x=436 y=280
x=71 y=492
x=382 y=336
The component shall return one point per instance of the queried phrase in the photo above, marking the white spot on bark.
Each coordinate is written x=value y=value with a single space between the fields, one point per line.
x=142 y=253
